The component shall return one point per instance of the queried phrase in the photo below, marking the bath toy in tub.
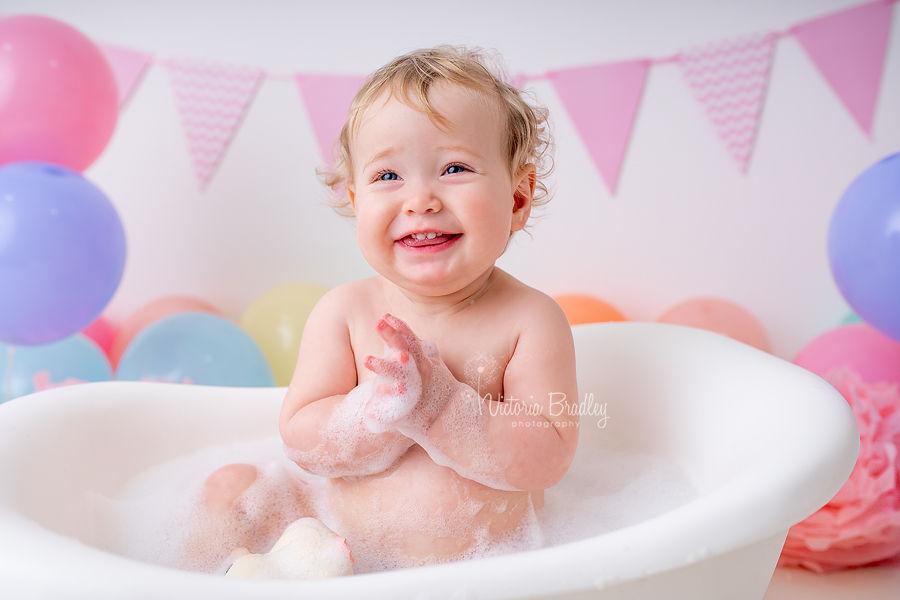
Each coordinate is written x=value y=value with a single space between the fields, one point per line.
x=306 y=550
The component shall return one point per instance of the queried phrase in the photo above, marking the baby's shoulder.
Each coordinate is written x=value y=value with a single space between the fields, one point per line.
x=525 y=299
x=343 y=302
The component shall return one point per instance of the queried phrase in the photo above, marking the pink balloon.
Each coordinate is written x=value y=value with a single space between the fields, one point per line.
x=720 y=316
x=871 y=354
x=58 y=94
x=150 y=312
x=102 y=332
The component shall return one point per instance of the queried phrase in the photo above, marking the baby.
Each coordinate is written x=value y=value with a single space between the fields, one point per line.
x=433 y=397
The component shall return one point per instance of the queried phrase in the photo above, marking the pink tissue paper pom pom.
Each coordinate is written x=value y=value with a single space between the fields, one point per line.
x=861 y=524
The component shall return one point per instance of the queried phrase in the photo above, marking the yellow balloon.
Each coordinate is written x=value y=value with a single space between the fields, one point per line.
x=276 y=320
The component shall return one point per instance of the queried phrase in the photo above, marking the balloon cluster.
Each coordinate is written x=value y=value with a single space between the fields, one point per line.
x=177 y=339
x=62 y=245
x=706 y=312
x=861 y=359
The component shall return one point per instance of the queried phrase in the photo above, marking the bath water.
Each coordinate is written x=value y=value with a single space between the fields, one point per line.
x=152 y=516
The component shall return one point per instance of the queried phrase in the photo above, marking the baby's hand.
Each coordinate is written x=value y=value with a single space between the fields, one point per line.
x=401 y=374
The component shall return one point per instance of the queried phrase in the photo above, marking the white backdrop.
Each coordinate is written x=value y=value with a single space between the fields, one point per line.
x=684 y=221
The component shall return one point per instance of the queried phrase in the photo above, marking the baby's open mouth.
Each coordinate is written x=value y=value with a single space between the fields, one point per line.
x=431 y=238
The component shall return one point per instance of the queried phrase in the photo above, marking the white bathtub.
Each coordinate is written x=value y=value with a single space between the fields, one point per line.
x=765 y=443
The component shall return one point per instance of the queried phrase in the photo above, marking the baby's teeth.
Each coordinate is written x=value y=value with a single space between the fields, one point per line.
x=431 y=235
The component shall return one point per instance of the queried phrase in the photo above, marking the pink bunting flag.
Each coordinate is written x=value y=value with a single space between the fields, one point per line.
x=602 y=101
x=327 y=99
x=728 y=79
x=212 y=99
x=128 y=66
x=849 y=48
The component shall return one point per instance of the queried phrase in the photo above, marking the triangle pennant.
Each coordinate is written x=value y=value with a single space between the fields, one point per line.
x=729 y=79
x=849 y=49
x=212 y=99
x=602 y=101
x=327 y=99
x=128 y=66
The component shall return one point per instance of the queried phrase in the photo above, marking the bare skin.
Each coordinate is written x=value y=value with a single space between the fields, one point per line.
x=410 y=386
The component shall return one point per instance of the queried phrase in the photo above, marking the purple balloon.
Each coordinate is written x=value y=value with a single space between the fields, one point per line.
x=864 y=246
x=62 y=252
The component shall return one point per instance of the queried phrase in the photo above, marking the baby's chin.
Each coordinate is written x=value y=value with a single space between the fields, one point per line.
x=435 y=286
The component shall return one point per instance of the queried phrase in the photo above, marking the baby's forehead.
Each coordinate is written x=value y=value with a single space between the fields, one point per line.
x=442 y=99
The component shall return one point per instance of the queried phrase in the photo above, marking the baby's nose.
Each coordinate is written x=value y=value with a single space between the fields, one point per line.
x=422 y=200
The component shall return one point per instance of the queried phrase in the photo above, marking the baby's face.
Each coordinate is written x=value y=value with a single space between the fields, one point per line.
x=435 y=207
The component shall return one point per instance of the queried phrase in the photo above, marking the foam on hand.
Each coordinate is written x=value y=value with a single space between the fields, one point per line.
x=401 y=401
x=349 y=447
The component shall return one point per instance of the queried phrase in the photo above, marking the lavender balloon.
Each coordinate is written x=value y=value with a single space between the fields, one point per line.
x=62 y=252
x=864 y=246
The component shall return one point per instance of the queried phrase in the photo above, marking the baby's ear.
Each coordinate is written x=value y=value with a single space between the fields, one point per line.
x=523 y=195
x=350 y=190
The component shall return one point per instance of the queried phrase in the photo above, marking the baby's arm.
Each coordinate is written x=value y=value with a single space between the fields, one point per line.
x=321 y=420
x=504 y=449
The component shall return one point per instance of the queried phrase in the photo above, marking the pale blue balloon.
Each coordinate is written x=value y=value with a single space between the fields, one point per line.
x=851 y=319
x=27 y=369
x=195 y=347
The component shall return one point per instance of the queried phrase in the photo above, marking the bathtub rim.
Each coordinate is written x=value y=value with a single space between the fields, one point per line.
x=624 y=551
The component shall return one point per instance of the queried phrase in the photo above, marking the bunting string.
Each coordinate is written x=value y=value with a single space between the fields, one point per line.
x=728 y=78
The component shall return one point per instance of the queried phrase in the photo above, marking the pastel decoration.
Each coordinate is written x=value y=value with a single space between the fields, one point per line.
x=327 y=99
x=860 y=525
x=602 y=101
x=729 y=79
x=58 y=96
x=276 y=320
x=128 y=67
x=720 y=316
x=864 y=246
x=101 y=332
x=27 y=369
x=150 y=312
x=581 y=308
x=62 y=252
x=869 y=353
x=848 y=48
x=212 y=99
x=195 y=347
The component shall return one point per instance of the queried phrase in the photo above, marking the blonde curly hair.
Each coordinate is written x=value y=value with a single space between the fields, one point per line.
x=409 y=77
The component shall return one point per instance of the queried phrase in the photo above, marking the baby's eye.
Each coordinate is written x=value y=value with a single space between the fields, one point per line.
x=453 y=169
x=387 y=176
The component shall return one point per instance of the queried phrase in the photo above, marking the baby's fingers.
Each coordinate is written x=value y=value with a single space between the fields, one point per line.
x=397 y=334
x=386 y=366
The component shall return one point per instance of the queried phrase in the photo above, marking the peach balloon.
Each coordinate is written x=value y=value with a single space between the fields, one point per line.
x=580 y=308
x=720 y=316
x=150 y=312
